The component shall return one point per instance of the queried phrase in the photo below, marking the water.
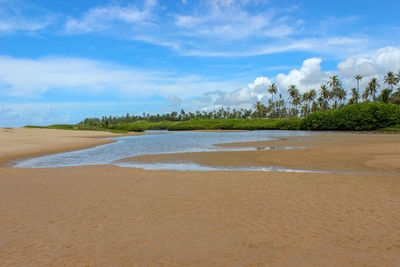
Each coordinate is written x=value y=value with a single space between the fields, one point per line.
x=160 y=142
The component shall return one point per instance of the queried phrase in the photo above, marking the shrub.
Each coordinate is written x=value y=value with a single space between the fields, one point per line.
x=356 y=117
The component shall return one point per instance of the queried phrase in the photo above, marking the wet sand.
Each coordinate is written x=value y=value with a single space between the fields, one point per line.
x=113 y=216
x=16 y=143
x=355 y=153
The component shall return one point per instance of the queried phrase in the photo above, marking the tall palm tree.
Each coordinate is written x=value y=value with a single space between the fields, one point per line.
x=311 y=96
x=293 y=93
x=390 y=79
x=354 y=95
x=335 y=84
x=260 y=109
x=325 y=96
x=342 y=95
x=304 y=99
x=358 y=77
x=272 y=89
x=373 y=86
x=366 y=94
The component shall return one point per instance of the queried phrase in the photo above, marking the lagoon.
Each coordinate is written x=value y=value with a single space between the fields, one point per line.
x=163 y=142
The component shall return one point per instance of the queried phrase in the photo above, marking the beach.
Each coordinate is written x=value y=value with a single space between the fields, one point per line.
x=113 y=216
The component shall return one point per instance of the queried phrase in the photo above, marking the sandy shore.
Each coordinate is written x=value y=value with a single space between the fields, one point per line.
x=356 y=153
x=27 y=142
x=112 y=216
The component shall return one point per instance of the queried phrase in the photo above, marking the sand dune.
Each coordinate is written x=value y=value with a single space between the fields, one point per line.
x=112 y=216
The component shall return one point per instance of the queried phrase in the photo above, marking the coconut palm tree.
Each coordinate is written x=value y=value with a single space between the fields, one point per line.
x=358 y=77
x=293 y=93
x=311 y=95
x=325 y=96
x=272 y=89
x=366 y=94
x=354 y=95
x=304 y=108
x=341 y=95
x=335 y=84
x=260 y=109
x=390 y=79
x=373 y=86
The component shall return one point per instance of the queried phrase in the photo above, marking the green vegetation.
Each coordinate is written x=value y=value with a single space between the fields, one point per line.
x=76 y=127
x=364 y=116
x=56 y=126
x=325 y=109
x=357 y=117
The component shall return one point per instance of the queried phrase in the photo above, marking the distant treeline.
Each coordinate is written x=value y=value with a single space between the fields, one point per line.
x=328 y=109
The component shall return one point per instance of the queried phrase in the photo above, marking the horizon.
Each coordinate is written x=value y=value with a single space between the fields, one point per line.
x=63 y=62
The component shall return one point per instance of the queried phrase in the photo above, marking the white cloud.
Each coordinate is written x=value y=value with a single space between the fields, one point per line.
x=337 y=46
x=13 y=17
x=31 y=78
x=223 y=28
x=309 y=76
x=101 y=18
x=375 y=65
x=43 y=114
x=244 y=97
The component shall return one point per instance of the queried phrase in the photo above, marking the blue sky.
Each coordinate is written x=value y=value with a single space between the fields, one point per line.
x=62 y=61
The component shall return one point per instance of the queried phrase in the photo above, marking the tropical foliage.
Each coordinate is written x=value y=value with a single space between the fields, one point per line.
x=325 y=109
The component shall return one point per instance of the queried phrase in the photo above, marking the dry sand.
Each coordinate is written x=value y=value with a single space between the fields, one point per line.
x=113 y=216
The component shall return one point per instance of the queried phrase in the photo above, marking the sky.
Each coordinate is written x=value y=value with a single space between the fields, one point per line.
x=63 y=61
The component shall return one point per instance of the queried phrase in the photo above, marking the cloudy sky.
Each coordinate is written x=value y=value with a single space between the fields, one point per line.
x=62 y=61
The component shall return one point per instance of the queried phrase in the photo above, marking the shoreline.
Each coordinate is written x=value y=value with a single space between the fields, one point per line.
x=35 y=142
x=369 y=153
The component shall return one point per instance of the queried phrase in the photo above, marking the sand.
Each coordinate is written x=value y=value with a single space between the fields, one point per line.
x=113 y=216
x=16 y=143
x=356 y=153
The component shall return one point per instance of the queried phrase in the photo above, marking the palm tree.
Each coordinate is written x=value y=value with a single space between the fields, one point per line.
x=358 y=77
x=293 y=93
x=308 y=97
x=260 y=109
x=390 y=79
x=366 y=94
x=335 y=84
x=272 y=89
x=311 y=96
x=354 y=95
x=373 y=86
x=324 y=97
x=341 y=95
x=304 y=99
x=385 y=95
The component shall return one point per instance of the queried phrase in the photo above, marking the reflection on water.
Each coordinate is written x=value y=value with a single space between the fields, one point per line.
x=162 y=143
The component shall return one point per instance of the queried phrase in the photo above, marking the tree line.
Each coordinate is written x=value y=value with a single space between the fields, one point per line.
x=330 y=96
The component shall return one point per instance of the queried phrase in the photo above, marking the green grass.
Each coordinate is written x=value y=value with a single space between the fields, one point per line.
x=212 y=124
x=55 y=126
x=77 y=128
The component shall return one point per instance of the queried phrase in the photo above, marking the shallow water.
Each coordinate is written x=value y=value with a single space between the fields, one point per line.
x=161 y=142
